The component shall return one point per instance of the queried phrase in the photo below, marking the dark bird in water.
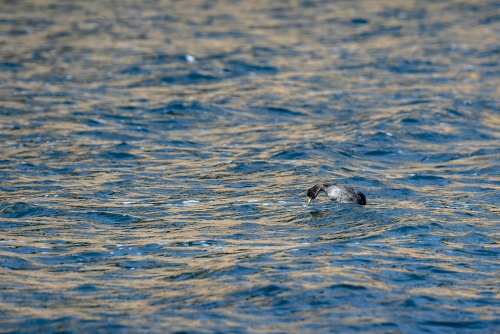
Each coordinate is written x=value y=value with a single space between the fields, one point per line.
x=338 y=194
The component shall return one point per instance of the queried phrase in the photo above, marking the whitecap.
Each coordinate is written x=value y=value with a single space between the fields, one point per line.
x=190 y=202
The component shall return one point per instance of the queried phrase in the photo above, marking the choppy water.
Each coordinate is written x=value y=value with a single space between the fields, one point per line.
x=155 y=158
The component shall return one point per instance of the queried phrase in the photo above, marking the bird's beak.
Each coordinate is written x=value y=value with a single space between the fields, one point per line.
x=308 y=200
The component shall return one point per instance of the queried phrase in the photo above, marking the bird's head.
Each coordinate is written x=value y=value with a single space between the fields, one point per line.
x=313 y=192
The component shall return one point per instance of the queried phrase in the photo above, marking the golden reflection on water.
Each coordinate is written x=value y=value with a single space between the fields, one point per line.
x=203 y=158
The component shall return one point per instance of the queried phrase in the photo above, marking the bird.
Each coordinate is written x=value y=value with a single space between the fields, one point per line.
x=338 y=194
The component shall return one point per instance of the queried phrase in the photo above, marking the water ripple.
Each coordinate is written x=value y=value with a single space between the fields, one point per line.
x=155 y=159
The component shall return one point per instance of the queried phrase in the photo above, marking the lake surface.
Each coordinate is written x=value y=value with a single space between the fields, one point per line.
x=155 y=158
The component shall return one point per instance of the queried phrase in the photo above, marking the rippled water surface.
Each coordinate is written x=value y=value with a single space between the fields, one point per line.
x=155 y=157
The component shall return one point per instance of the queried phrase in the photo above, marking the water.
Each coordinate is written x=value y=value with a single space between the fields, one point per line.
x=155 y=158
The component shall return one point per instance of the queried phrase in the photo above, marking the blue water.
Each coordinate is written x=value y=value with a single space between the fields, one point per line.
x=155 y=158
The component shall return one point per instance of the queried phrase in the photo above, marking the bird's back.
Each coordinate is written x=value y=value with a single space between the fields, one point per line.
x=343 y=194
